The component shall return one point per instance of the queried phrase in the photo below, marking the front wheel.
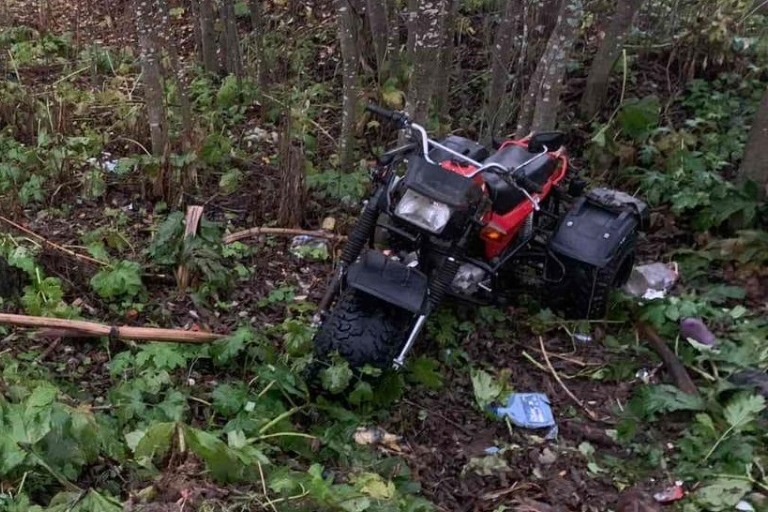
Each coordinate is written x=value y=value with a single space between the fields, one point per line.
x=363 y=330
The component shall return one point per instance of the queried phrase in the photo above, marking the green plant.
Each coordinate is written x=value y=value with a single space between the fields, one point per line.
x=203 y=254
x=119 y=282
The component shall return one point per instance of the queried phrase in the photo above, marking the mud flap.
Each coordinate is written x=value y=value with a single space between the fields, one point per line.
x=391 y=281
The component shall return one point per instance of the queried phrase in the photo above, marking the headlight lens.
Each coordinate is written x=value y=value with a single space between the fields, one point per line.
x=423 y=211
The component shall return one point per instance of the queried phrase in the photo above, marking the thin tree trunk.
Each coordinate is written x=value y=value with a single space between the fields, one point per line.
x=182 y=88
x=208 y=36
x=445 y=66
x=558 y=50
x=231 y=41
x=377 y=18
x=291 y=210
x=410 y=25
x=349 y=56
x=147 y=26
x=502 y=53
x=427 y=40
x=754 y=165
x=394 y=56
x=257 y=27
x=607 y=54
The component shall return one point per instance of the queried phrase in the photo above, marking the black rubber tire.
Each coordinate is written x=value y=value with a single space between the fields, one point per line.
x=585 y=290
x=363 y=330
x=12 y=280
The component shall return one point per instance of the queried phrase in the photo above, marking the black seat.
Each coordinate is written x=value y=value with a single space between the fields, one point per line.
x=504 y=196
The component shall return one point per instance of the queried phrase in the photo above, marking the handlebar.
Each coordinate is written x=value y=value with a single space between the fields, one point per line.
x=402 y=121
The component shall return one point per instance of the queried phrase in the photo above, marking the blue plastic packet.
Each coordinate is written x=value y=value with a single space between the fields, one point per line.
x=529 y=410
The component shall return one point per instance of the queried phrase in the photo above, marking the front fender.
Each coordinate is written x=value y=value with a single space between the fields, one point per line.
x=391 y=281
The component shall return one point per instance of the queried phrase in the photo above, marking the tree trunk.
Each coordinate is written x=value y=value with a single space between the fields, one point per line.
x=147 y=25
x=610 y=48
x=257 y=26
x=231 y=42
x=502 y=54
x=208 y=36
x=350 y=60
x=551 y=68
x=291 y=210
x=377 y=18
x=410 y=25
x=445 y=67
x=427 y=40
x=754 y=165
x=174 y=70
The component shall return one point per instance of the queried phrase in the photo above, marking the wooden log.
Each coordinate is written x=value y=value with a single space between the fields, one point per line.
x=96 y=330
x=674 y=366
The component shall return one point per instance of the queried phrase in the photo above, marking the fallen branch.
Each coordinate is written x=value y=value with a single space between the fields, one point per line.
x=53 y=245
x=568 y=392
x=252 y=232
x=96 y=330
x=673 y=364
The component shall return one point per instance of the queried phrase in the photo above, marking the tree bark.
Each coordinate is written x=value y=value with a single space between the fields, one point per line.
x=553 y=65
x=754 y=165
x=231 y=42
x=502 y=54
x=427 y=40
x=350 y=60
x=147 y=25
x=208 y=36
x=377 y=19
x=257 y=26
x=607 y=54
x=445 y=66
x=292 y=167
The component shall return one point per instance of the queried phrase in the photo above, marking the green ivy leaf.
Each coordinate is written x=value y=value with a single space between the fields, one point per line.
x=742 y=410
x=373 y=485
x=425 y=371
x=336 y=377
x=486 y=388
x=722 y=494
x=230 y=181
x=123 y=281
x=162 y=356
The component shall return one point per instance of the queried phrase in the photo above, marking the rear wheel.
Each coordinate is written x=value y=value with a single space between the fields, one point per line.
x=363 y=330
x=585 y=289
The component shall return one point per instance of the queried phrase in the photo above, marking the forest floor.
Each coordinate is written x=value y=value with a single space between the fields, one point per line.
x=445 y=436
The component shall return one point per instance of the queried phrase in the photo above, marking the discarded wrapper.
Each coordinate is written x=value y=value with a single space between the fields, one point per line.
x=671 y=494
x=529 y=410
x=745 y=506
x=377 y=436
x=652 y=281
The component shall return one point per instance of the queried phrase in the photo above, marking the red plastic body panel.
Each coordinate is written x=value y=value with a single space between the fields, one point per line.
x=512 y=221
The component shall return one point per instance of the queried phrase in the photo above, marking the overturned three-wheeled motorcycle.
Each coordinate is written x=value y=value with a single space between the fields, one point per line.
x=453 y=219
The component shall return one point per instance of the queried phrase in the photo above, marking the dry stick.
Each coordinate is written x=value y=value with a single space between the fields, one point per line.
x=249 y=233
x=573 y=397
x=194 y=214
x=673 y=364
x=54 y=245
x=95 y=330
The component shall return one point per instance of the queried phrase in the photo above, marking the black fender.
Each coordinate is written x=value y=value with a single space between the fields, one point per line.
x=392 y=281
